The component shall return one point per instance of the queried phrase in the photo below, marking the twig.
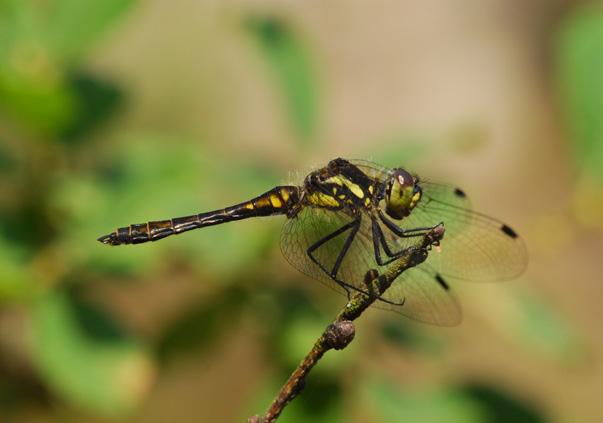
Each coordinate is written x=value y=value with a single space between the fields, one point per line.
x=341 y=331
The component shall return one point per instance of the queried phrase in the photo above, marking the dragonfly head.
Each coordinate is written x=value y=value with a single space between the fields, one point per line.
x=402 y=194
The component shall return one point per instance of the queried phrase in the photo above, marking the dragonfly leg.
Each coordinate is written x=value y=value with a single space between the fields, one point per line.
x=354 y=225
x=369 y=277
x=378 y=242
x=405 y=233
x=346 y=247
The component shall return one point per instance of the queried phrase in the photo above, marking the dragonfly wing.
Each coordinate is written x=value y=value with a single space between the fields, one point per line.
x=418 y=293
x=313 y=224
x=475 y=247
x=373 y=170
x=426 y=297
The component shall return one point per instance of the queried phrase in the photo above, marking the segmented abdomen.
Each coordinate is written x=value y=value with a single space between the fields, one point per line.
x=278 y=200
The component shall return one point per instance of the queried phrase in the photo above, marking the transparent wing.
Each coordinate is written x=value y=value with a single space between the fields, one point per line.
x=416 y=293
x=475 y=247
x=371 y=169
x=427 y=296
x=313 y=224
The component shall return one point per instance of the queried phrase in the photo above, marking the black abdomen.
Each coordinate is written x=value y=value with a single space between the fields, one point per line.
x=278 y=200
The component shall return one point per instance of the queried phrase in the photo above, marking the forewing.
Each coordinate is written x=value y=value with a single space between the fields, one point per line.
x=475 y=247
x=373 y=170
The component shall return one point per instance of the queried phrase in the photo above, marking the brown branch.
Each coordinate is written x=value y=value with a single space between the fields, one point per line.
x=341 y=331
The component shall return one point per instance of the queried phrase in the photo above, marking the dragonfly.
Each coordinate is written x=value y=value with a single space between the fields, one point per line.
x=354 y=215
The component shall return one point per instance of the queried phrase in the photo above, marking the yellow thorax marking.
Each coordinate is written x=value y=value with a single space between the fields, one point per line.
x=322 y=199
x=249 y=206
x=341 y=181
x=335 y=180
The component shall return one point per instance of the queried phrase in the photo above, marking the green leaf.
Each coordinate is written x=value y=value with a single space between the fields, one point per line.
x=411 y=336
x=39 y=43
x=467 y=404
x=202 y=324
x=37 y=99
x=85 y=359
x=148 y=177
x=501 y=407
x=15 y=277
x=394 y=404
x=580 y=66
x=293 y=71
x=96 y=101
x=539 y=326
x=74 y=25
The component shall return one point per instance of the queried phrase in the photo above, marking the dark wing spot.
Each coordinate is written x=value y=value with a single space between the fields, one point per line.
x=507 y=230
x=460 y=193
x=442 y=282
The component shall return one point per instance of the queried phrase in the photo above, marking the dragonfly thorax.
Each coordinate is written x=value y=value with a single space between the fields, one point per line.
x=402 y=194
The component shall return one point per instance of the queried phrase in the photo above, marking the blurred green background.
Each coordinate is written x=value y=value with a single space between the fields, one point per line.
x=116 y=111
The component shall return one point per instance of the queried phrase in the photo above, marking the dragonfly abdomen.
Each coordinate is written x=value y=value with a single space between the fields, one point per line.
x=278 y=200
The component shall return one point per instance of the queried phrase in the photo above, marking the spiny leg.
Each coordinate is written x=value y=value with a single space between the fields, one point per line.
x=379 y=240
x=346 y=247
x=404 y=233
x=354 y=225
x=345 y=285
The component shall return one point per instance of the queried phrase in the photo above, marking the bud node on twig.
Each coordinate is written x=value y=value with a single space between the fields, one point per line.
x=339 y=334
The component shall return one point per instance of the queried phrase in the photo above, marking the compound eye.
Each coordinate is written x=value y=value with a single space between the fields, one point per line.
x=404 y=178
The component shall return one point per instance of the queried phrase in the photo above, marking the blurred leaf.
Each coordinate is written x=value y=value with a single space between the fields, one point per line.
x=502 y=407
x=202 y=323
x=8 y=161
x=15 y=278
x=412 y=336
x=292 y=67
x=580 y=66
x=74 y=25
x=148 y=177
x=96 y=100
x=39 y=42
x=393 y=404
x=295 y=326
x=541 y=327
x=85 y=359
x=36 y=98
x=299 y=337
x=530 y=322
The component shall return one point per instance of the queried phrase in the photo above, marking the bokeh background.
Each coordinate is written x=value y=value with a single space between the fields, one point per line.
x=117 y=111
